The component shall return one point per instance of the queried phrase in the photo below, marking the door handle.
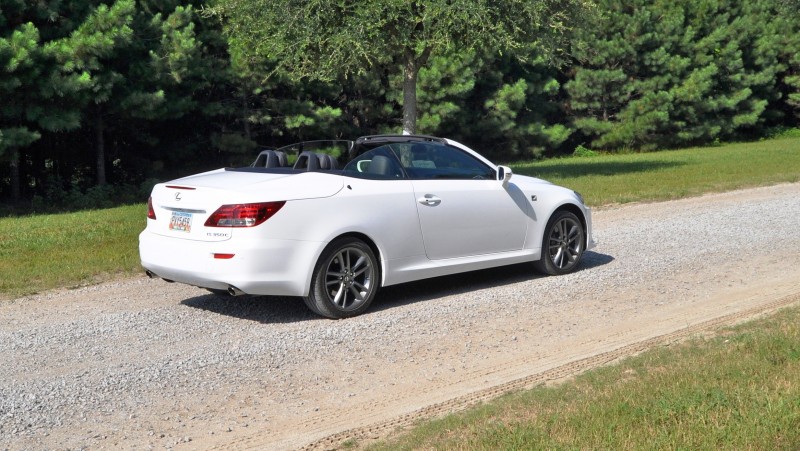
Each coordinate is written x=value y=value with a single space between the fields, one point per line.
x=429 y=200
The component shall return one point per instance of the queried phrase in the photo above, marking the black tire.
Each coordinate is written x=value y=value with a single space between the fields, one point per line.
x=563 y=244
x=345 y=279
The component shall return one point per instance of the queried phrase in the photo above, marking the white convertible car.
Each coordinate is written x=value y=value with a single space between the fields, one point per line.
x=348 y=217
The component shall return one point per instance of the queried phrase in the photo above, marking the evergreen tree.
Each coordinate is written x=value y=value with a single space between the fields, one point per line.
x=522 y=115
x=506 y=106
x=676 y=73
x=116 y=69
x=35 y=97
x=131 y=55
x=786 y=106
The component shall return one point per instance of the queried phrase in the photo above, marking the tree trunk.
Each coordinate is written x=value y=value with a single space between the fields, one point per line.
x=410 y=72
x=15 y=186
x=246 y=114
x=100 y=143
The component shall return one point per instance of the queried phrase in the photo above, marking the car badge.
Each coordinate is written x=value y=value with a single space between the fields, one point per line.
x=178 y=196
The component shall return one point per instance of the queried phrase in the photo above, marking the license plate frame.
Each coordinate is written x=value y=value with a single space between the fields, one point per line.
x=180 y=222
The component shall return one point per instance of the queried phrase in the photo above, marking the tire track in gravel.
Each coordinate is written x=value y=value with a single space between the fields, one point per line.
x=386 y=428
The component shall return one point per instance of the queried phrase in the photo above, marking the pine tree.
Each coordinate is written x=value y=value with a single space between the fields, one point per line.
x=522 y=116
x=787 y=42
x=36 y=97
x=678 y=73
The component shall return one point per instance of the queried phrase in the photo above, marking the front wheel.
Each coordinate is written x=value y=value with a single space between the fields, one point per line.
x=345 y=279
x=562 y=244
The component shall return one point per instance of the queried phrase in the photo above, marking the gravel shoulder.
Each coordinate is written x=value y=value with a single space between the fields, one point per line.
x=141 y=363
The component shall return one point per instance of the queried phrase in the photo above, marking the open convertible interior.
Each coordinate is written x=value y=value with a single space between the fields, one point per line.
x=375 y=157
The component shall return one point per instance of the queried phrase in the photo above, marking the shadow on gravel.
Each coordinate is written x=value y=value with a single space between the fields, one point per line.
x=282 y=309
x=423 y=290
x=264 y=309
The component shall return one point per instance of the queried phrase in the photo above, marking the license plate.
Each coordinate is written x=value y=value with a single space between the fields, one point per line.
x=180 y=222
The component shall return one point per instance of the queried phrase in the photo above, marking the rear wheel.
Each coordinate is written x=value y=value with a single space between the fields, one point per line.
x=345 y=279
x=562 y=244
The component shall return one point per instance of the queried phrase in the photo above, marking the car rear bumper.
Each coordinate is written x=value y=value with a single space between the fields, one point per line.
x=262 y=267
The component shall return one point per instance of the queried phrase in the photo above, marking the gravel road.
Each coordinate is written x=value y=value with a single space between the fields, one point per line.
x=141 y=363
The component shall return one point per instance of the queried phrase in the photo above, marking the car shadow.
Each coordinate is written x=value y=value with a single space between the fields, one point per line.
x=263 y=309
x=285 y=309
x=427 y=289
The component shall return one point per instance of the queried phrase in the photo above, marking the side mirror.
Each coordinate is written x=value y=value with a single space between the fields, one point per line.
x=504 y=174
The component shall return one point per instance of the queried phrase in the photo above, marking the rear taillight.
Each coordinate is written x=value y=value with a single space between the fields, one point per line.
x=151 y=212
x=243 y=215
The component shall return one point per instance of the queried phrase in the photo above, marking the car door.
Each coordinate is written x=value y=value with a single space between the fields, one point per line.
x=463 y=210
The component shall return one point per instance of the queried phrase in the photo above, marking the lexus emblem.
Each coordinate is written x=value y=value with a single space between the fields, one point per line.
x=177 y=196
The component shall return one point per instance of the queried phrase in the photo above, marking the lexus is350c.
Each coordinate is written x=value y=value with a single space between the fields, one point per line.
x=333 y=221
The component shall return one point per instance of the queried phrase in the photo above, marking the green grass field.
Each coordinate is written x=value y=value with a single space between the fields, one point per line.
x=609 y=179
x=60 y=250
x=739 y=390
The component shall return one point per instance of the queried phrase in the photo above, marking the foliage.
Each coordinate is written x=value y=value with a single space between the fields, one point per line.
x=581 y=151
x=322 y=40
x=33 y=94
x=672 y=74
x=519 y=106
x=119 y=91
x=109 y=87
x=783 y=132
x=57 y=198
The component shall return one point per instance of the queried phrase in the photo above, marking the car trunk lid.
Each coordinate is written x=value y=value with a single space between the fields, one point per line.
x=183 y=206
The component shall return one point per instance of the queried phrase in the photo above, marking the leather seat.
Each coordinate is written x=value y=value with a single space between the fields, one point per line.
x=307 y=160
x=271 y=159
x=384 y=167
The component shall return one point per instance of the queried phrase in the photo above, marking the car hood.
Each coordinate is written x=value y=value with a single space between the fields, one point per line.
x=528 y=180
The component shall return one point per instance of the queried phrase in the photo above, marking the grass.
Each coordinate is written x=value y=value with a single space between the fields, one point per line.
x=57 y=250
x=616 y=179
x=48 y=251
x=738 y=390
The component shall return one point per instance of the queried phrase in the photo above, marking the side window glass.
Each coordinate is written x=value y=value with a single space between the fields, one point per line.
x=425 y=161
x=379 y=164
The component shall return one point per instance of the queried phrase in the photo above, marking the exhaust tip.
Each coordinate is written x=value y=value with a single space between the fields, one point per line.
x=233 y=291
x=153 y=275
